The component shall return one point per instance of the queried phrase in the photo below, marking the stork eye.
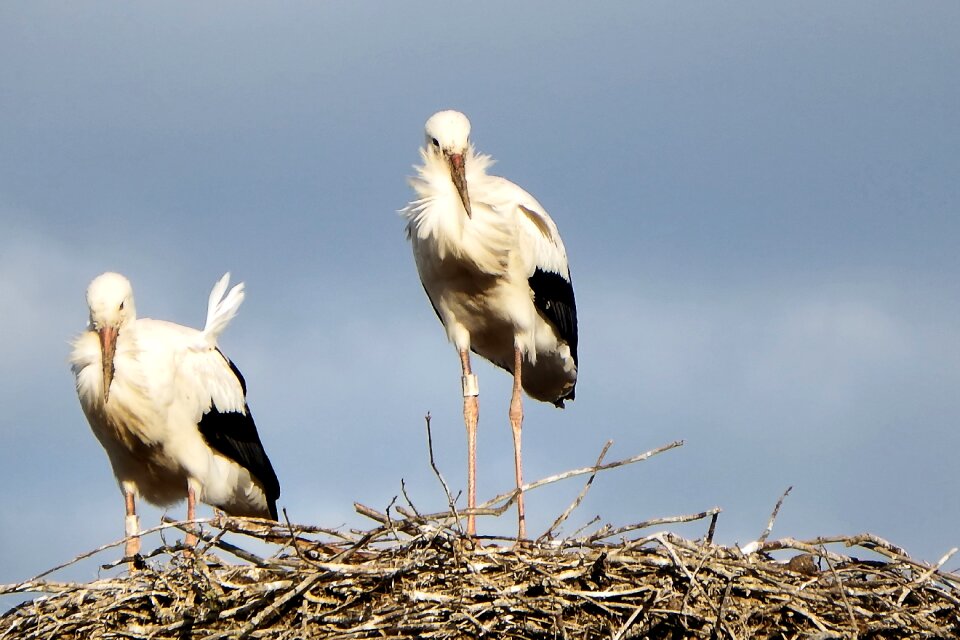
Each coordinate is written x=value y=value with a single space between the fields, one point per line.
x=121 y=306
x=436 y=143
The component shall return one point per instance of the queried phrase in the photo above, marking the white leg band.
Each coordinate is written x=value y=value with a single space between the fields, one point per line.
x=132 y=526
x=471 y=387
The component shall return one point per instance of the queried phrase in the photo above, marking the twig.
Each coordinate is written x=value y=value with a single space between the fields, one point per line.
x=293 y=536
x=925 y=575
x=403 y=490
x=221 y=544
x=576 y=503
x=713 y=526
x=676 y=559
x=815 y=547
x=594 y=520
x=510 y=496
x=843 y=594
x=267 y=614
x=270 y=529
x=88 y=554
x=507 y=498
x=433 y=465
x=391 y=527
x=370 y=512
x=773 y=516
x=638 y=611
x=656 y=522
x=718 y=624
x=865 y=540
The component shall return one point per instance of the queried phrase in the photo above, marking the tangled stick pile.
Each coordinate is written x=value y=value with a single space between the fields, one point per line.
x=416 y=575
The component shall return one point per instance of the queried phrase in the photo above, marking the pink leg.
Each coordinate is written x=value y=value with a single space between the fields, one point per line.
x=471 y=414
x=132 y=526
x=191 y=538
x=516 y=423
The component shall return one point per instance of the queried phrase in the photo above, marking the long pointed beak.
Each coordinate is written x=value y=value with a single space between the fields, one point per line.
x=108 y=347
x=459 y=177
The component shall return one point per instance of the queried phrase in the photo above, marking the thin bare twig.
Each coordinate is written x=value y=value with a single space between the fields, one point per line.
x=576 y=502
x=718 y=623
x=214 y=540
x=713 y=526
x=403 y=490
x=637 y=612
x=109 y=545
x=451 y=502
x=843 y=594
x=773 y=516
x=510 y=496
x=926 y=575
x=655 y=522
x=267 y=614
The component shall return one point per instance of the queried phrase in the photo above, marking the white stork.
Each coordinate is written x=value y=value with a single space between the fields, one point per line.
x=495 y=269
x=170 y=408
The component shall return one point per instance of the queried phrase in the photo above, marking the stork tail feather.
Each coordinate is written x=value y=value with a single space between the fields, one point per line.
x=222 y=309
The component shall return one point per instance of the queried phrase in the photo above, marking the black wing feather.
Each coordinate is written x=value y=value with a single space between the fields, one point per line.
x=432 y=303
x=553 y=297
x=234 y=435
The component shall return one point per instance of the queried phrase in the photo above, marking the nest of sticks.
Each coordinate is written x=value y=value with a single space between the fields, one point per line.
x=417 y=575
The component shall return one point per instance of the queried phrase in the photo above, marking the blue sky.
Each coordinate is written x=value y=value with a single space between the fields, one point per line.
x=759 y=200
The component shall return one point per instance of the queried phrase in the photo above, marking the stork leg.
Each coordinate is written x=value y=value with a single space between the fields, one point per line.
x=516 y=423
x=471 y=414
x=190 y=539
x=131 y=525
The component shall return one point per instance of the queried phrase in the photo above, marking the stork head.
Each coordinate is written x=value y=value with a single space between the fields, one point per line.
x=110 y=298
x=448 y=135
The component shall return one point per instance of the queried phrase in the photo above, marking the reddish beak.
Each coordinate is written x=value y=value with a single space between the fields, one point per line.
x=458 y=175
x=108 y=347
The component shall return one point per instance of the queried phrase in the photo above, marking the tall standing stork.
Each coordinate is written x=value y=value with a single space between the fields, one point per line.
x=495 y=269
x=170 y=408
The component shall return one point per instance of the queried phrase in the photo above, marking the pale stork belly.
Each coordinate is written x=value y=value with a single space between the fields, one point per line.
x=497 y=313
x=158 y=477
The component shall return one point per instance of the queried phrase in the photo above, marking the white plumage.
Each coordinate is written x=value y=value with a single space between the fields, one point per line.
x=169 y=408
x=495 y=269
